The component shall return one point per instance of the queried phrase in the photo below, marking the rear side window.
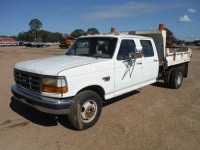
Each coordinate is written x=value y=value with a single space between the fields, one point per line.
x=147 y=48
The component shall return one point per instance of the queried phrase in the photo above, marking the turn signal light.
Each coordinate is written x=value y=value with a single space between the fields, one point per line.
x=54 y=89
x=54 y=85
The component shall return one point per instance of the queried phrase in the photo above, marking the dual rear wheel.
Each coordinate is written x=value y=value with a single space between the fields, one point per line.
x=173 y=78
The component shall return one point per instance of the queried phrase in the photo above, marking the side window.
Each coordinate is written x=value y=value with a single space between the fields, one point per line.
x=126 y=47
x=147 y=48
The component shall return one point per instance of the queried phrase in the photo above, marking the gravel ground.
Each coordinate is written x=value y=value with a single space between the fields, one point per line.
x=151 y=118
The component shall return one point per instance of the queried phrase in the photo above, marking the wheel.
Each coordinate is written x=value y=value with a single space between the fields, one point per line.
x=167 y=78
x=86 y=110
x=176 y=78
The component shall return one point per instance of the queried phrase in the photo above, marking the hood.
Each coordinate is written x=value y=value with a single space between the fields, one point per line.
x=54 y=65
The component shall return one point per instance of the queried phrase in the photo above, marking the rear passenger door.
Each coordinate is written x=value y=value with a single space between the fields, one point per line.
x=150 y=62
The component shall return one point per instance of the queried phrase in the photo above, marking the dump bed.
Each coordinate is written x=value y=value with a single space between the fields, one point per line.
x=177 y=55
x=168 y=56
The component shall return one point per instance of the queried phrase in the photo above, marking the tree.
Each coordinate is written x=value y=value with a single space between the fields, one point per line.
x=170 y=37
x=65 y=35
x=196 y=42
x=92 y=31
x=77 y=33
x=25 y=36
x=35 y=26
x=44 y=35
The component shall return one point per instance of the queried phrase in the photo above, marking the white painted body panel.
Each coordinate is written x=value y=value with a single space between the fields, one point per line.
x=173 y=57
x=89 y=75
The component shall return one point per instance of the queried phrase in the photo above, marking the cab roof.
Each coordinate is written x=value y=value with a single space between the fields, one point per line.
x=116 y=35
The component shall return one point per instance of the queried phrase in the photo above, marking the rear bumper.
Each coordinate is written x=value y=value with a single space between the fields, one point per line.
x=42 y=103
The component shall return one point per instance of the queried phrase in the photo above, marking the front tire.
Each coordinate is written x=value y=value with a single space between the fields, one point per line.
x=176 y=78
x=86 y=110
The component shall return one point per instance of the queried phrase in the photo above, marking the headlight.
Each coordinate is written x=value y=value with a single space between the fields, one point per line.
x=54 y=85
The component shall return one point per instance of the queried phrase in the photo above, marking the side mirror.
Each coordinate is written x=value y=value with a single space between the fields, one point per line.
x=137 y=54
x=131 y=55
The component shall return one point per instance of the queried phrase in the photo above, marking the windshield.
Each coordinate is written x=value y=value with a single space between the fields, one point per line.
x=102 y=47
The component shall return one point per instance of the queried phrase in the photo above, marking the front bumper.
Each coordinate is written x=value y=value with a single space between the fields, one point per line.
x=44 y=104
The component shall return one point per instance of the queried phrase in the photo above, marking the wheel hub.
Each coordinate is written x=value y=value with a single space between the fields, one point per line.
x=88 y=111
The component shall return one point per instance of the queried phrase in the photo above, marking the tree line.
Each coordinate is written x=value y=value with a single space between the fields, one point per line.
x=35 y=34
x=42 y=36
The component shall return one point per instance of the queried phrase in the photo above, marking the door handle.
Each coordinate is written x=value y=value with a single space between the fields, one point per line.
x=106 y=78
x=155 y=60
x=139 y=63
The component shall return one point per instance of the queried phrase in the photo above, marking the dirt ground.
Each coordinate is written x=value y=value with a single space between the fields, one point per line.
x=151 y=118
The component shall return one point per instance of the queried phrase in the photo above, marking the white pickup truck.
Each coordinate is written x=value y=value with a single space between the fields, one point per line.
x=98 y=68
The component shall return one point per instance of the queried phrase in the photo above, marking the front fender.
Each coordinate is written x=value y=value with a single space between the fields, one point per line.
x=76 y=84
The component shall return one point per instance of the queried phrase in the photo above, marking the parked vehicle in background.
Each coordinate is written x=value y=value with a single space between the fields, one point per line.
x=66 y=42
x=36 y=44
x=97 y=68
x=22 y=43
x=2 y=44
x=9 y=44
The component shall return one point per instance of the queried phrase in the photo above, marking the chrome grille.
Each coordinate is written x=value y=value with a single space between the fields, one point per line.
x=28 y=80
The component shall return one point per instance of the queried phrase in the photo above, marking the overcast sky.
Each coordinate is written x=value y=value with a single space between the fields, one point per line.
x=182 y=17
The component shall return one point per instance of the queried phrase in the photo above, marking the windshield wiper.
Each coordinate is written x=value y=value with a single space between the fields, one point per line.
x=95 y=57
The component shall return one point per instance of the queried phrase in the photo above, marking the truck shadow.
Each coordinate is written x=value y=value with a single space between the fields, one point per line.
x=45 y=119
x=159 y=84
x=36 y=116
x=62 y=119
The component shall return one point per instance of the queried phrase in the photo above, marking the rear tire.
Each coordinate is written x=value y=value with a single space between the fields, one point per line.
x=176 y=78
x=167 y=78
x=86 y=110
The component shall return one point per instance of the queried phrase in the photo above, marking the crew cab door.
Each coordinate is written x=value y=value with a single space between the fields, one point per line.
x=150 y=64
x=128 y=71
